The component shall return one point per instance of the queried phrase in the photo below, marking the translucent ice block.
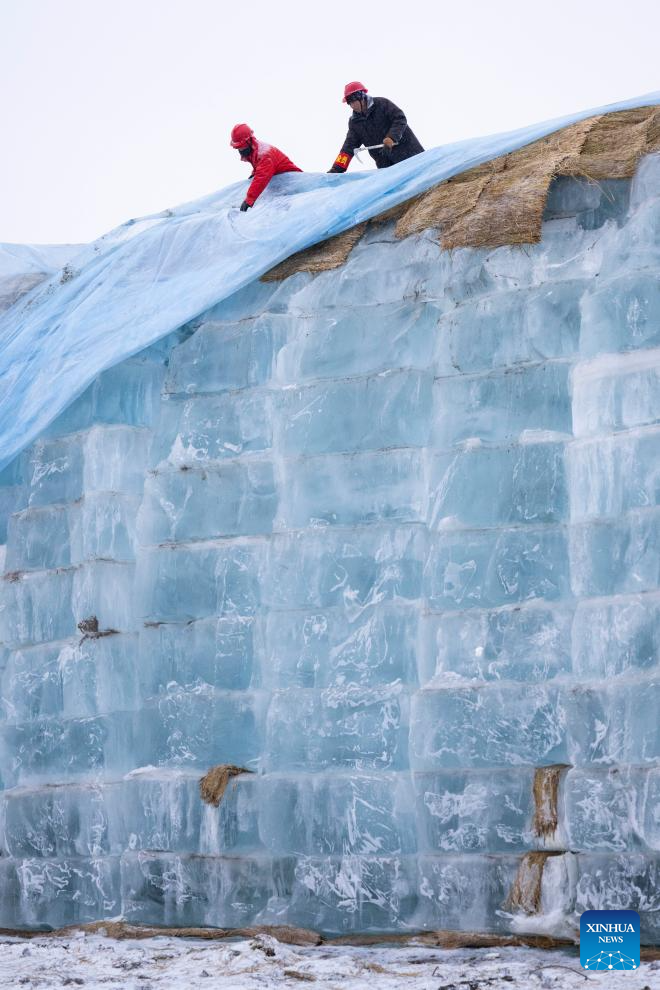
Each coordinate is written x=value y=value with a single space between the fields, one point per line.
x=236 y=499
x=490 y=726
x=475 y=811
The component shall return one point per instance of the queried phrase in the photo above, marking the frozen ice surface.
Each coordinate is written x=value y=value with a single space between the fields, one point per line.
x=521 y=484
x=386 y=536
x=500 y=407
x=497 y=566
x=74 y=677
x=328 y=648
x=473 y=811
x=492 y=726
x=236 y=499
x=522 y=644
x=465 y=891
x=606 y=808
x=213 y=428
x=617 y=636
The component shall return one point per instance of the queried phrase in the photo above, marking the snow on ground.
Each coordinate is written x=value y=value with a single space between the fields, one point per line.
x=95 y=962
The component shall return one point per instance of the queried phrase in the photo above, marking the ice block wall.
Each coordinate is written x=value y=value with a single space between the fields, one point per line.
x=389 y=538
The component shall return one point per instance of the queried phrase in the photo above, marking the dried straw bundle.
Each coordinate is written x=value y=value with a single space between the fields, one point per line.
x=546 y=799
x=213 y=785
x=502 y=201
x=318 y=258
x=525 y=893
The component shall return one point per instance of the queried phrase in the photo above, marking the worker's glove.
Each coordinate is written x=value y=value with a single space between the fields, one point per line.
x=245 y=206
x=388 y=142
x=335 y=168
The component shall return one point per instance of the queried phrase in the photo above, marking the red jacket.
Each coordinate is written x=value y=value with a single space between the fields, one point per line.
x=267 y=161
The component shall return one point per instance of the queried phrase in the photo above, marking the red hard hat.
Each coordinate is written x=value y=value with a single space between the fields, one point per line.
x=241 y=135
x=353 y=87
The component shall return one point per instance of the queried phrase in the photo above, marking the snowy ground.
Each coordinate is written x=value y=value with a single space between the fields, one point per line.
x=92 y=961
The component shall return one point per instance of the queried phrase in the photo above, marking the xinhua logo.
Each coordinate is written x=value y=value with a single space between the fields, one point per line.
x=609 y=940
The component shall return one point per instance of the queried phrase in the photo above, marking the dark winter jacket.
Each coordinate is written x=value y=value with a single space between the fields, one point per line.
x=267 y=161
x=382 y=119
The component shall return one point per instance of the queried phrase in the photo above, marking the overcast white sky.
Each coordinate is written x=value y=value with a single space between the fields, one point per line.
x=112 y=109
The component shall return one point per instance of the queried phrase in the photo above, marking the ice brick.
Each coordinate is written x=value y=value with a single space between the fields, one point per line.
x=612 y=475
x=474 y=811
x=570 y=195
x=614 y=724
x=604 y=808
x=489 y=569
x=616 y=637
x=644 y=185
x=464 y=892
x=592 y=203
x=391 y=409
x=59 y=892
x=223 y=892
x=651 y=820
x=85 y=676
x=350 y=489
x=105 y=458
x=39 y=539
x=486 y=487
x=353 y=568
x=620 y=556
x=37 y=607
x=351 y=726
x=211 y=428
x=12 y=499
x=162 y=810
x=512 y=643
x=215 y=651
x=103 y=589
x=327 y=648
x=56 y=822
x=358 y=340
x=127 y=394
x=621 y=882
x=621 y=314
x=204 y=727
x=36 y=751
x=99 y=525
x=335 y=814
x=616 y=392
x=219 y=357
x=508 y=328
x=354 y=893
x=181 y=583
x=232 y=500
x=490 y=726
x=386 y=273
x=500 y=407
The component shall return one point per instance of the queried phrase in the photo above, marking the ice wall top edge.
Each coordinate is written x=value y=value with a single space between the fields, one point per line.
x=149 y=276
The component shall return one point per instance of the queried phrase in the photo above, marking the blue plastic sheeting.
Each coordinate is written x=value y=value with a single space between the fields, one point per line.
x=34 y=259
x=146 y=278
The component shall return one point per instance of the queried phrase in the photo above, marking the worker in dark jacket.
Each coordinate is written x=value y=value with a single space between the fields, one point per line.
x=266 y=161
x=375 y=120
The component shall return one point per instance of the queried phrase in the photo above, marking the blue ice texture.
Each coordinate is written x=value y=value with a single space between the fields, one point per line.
x=386 y=536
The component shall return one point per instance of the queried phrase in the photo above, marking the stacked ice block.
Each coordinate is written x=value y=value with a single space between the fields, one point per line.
x=388 y=537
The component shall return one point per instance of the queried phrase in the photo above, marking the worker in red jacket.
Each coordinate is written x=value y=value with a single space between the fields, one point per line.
x=265 y=159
